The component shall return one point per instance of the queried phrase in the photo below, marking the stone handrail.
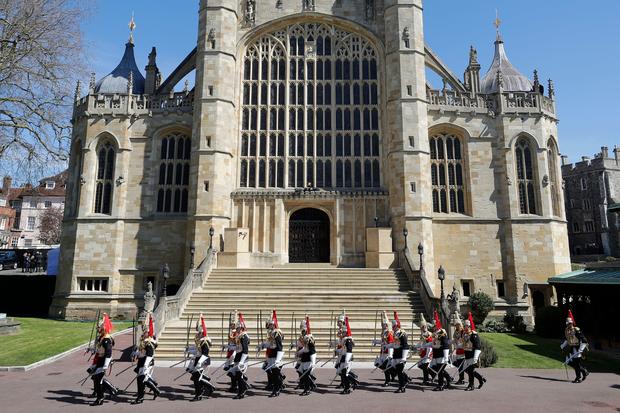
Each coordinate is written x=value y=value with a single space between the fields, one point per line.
x=170 y=308
x=420 y=283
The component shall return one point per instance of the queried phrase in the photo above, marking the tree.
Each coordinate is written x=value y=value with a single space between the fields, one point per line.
x=51 y=226
x=41 y=53
x=481 y=305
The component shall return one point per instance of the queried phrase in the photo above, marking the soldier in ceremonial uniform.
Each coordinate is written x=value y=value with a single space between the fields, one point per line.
x=401 y=351
x=146 y=362
x=471 y=345
x=441 y=355
x=242 y=344
x=344 y=350
x=202 y=382
x=274 y=355
x=102 y=360
x=231 y=350
x=426 y=351
x=459 y=352
x=306 y=354
x=384 y=359
x=577 y=344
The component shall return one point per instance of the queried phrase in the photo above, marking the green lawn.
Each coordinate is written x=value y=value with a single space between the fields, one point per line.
x=41 y=338
x=531 y=351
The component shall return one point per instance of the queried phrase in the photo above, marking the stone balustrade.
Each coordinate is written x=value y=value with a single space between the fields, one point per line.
x=504 y=103
x=122 y=104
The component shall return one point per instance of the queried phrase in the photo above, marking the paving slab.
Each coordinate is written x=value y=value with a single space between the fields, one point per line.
x=55 y=388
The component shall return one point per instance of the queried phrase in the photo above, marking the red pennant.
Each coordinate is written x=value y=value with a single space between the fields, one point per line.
x=307 y=325
x=204 y=326
x=437 y=321
x=274 y=317
x=151 y=326
x=471 y=321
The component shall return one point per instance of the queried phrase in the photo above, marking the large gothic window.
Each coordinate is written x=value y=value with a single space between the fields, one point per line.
x=104 y=183
x=526 y=185
x=552 y=163
x=310 y=110
x=173 y=180
x=447 y=174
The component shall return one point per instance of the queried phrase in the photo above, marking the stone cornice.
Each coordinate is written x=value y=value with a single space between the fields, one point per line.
x=315 y=193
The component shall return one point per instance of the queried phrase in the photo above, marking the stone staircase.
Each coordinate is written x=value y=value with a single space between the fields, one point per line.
x=321 y=292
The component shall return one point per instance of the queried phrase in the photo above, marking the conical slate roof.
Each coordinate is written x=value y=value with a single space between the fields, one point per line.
x=116 y=82
x=513 y=80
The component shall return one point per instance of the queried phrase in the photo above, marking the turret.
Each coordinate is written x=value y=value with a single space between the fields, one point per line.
x=152 y=73
x=472 y=73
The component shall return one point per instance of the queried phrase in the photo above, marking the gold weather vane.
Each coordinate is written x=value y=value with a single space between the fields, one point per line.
x=132 y=27
x=497 y=23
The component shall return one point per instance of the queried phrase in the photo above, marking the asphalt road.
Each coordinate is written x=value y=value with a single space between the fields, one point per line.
x=55 y=388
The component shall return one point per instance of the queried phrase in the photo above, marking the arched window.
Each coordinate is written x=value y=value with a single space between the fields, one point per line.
x=552 y=164
x=526 y=185
x=173 y=176
x=332 y=101
x=74 y=189
x=104 y=182
x=447 y=174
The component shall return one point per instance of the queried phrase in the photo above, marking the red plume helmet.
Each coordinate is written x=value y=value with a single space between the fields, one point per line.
x=204 y=326
x=346 y=322
x=396 y=319
x=437 y=321
x=308 y=325
x=471 y=321
x=151 y=326
x=107 y=324
x=241 y=321
x=274 y=319
x=570 y=315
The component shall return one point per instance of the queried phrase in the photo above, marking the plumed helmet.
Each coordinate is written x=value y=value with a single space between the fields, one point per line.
x=396 y=321
x=105 y=325
x=342 y=317
x=233 y=319
x=346 y=323
x=457 y=319
x=423 y=322
x=570 y=319
x=385 y=320
x=241 y=324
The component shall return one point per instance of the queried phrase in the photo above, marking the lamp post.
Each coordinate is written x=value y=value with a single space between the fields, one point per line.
x=211 y=232
x=165 y=272
x=192 y=252
x=421 y=253
x=441 y=273
x=405 y=233
x=376 y=222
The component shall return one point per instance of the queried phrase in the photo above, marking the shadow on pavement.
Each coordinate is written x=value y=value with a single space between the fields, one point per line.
x=544 y=378
x=68 y=396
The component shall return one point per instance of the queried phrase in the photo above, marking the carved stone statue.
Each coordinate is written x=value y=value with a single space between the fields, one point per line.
x=250 y=12
x=149 y=298
x=308 y=5
x=473 y=56
x=406 y=37
x=453 y=300
x=370 y=10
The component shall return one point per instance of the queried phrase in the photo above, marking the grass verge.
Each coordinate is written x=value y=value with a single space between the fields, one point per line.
x=42 y=338
x=529 y=351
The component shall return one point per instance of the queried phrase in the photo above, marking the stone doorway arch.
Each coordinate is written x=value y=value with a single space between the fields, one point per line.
x=309 y=236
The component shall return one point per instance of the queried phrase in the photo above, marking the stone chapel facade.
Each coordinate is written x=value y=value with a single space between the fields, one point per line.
x=310 y=122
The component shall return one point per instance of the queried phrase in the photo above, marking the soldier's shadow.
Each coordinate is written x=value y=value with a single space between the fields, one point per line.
x=68 y=396
x=175 y=393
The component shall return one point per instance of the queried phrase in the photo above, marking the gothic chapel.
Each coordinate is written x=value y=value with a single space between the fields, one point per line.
x=312 y=136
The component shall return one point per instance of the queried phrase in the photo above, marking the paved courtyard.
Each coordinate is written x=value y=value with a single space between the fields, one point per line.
x=55 y=388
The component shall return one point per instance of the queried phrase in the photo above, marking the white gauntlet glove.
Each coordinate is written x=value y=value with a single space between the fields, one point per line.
x=405 y=355
x=446 y=356
x=563 y=345
x=348 y=357
x=390 y=352
x=476 y=355
x=244 y=357
x=582 y=347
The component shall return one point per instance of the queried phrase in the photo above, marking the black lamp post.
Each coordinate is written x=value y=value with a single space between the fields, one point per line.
x=405 y=233
x=192 y=252
x=165 y=273
x=376 y=222
x=421 y=253
x=211 y=232
x=442 y=276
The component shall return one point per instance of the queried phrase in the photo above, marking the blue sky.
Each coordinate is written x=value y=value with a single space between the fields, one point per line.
x=574 y=43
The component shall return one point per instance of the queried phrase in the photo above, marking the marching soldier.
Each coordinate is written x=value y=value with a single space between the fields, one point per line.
x=242 y=344
x=471 y=345
x=348 y=379
x=425 y=351
x=307 y=358
x=384 y=359
x=231 y=350
x=274 y=355
x=401 y=351
x=441 y=355
x=459 y=352
x=577 y=344
x=146 y=362
x=102 y=360
x=202 y=383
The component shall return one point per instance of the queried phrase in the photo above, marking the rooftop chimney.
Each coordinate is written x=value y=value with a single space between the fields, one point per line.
x=6 y=183
x=617 y=154
x=564 y=160
x=585 y=159
x=604 y=152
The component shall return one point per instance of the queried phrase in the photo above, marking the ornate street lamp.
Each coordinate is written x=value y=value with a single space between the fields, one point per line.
x=211 y=233
x=441 y=273
x=376 y=222
x=165 y=273
x=405 y=233
x=192 y=251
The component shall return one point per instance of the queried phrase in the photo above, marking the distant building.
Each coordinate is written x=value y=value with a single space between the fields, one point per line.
x=29 y=204
x=7 y=216
x=592 y=187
